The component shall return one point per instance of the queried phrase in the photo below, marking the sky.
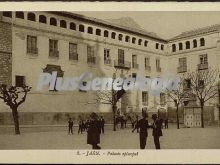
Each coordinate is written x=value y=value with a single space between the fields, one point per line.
x=165 y=24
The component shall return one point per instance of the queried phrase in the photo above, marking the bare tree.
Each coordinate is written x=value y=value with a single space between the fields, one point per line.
x=14 y=97
x=204 y=86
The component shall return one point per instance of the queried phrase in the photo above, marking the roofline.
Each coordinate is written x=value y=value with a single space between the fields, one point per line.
x=105 y=23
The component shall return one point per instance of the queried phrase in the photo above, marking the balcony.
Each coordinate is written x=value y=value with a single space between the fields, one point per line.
x=73 y=56
x=135 y=66
x=91 y=60
x=203 y=66
x=108 y=62
x=148 y=68
x=32 y=51
x=182 y=69
x=54 y=53
x=158 y=69
x=122 y=64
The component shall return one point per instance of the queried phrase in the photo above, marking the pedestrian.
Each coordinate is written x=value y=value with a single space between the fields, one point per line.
x=102 y=123
x=166 y=123
x=70 y=125
x=93 y=135
x=80 y=130
x=157 y=132
x=142 y=124
x=161 y=122
x=136 y=121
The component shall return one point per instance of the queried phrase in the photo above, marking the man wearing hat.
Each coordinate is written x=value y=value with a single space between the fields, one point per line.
x=157 y=132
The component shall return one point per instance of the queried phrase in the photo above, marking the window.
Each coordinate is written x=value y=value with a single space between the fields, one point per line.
x=145 y=98
x=90 y=30
x=182 y=62
x=98 y=32
x=162 y=98
x=32 y=44
x=194 y=43
x=180 y=46
x=134 y=61
x=134 y=75
x=139 y=41
x=53 y=21
x=157 y=63
x=173 y=48
x=121 y=55
x=146 y=61
x=31 y=17
x=73 y=51
x=203 y=59
x=113 y=35
x=81 y=28
x=105 y=33
x=42 y=19
x=202 y=42
x=19 y=14
x=7 y=14
x=53 y=48
x=187 y=84
x=63 y=23
x=19 y=81
x=72 y=26
x=162 y=47
x=187 y=45
x=127 y=39
x=120 y=36
x=145 y=43
x=157 y=45
x=90 y=55
x=133 y=40
x=107 y=59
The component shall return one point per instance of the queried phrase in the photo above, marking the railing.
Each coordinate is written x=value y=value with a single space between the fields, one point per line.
x=122 y=64
x=54 y=53
x=91 y=60
x=108 y=62
x=135 y=66
x=202 y=66
x=32 y=50
x=182 y=69
x=73 y=56
x=148 y=68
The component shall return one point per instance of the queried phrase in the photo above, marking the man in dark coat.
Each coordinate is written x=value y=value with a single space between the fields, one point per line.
x=166 y=123
x=93 y=134
x=80 y=126
x=70 y=125
x=157 y=132
x=102 y=124
x=143 y=126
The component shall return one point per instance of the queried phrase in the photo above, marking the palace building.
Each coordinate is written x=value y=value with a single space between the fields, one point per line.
x=71 y=44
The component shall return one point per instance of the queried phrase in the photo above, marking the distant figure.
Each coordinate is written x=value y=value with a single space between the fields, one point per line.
x=136 y=121
x=70 y=125
x=161 y=122
x=80 y=126
x=143 y=125
x=87 y=124
x=93 y=135
x=102 y=124
x=157 y=132
x=166 y=123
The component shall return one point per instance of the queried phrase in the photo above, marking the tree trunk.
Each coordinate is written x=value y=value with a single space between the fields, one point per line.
x=16 y=120
x=114 y=119
x=177 y=117
x=202 y=114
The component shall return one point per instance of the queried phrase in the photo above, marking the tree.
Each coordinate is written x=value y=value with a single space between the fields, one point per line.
x=177 y=96
x=204 y=87
x=14 y=97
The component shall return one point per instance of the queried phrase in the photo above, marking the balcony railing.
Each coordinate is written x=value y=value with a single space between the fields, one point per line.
x=91 y=60
x=158 y=69
x=148 y=68
x=202 y=66
x=108 y=62
x=73 y=56
x=182 y=69
x=122 y=64
x=54 y=53
x=32 y=51
x=135 y=66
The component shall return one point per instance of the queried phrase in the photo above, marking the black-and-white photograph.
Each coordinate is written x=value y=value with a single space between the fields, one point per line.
x=109 y=80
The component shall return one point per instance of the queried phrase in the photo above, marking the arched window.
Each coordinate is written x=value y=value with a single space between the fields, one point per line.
x=90 y=30
x=202 y=42
x=120 y=36
x=133 y=40
x=145 y=43
x=72 y=26
x=53 y=21
x=173 y=48
x=63 y=23
x=187 y=45
x=139 y=41
x=180 y=46
x=127 y=39
x=194 y=43
x=113 y=35
x=105 y=33
x=31 y=17
x=19 y=14
x=42 y=19
x=81 y=28
x=98 y=32
x=157 y=45
x=7 y=14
